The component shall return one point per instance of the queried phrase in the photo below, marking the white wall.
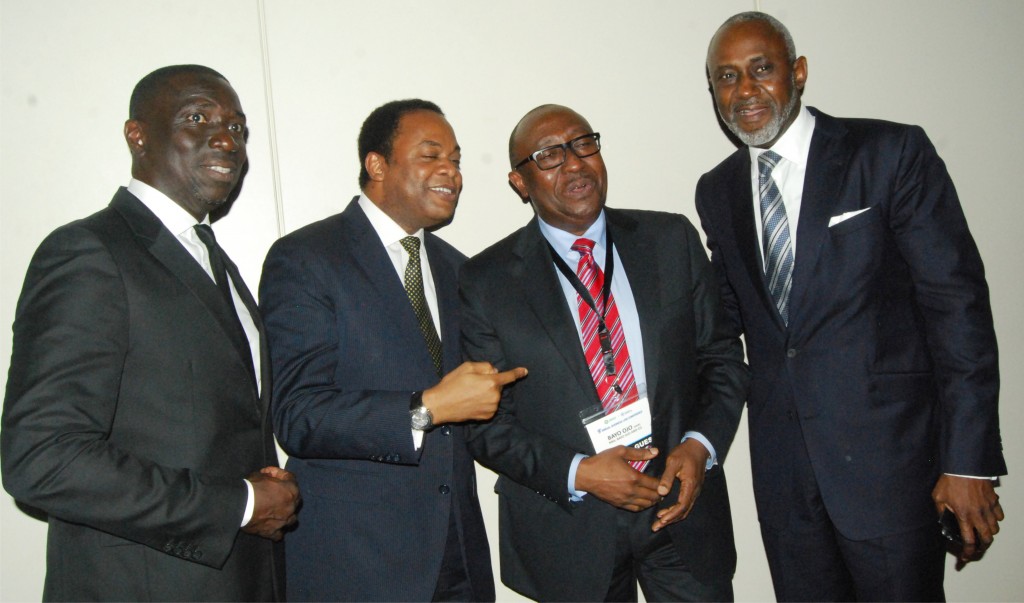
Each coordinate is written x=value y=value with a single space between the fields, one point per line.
x=67 y=69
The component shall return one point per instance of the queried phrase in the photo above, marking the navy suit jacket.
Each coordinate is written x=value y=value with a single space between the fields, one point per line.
x=347 y=354
x=888 y=368
x=514 y=314
x=131 y=418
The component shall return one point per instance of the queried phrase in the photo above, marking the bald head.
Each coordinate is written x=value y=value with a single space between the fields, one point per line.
x=520 y=141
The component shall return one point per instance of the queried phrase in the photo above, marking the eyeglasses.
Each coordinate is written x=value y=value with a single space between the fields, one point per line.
x=554 y=156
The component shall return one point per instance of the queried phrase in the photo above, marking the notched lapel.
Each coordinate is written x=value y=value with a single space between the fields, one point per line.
x=537 y=281
x=639 y=260
x=739 y=196
x=166 y=248
x=825 y=178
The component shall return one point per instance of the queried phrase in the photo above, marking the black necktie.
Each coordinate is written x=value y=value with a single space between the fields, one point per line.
x=414 y=288
x=220 y=274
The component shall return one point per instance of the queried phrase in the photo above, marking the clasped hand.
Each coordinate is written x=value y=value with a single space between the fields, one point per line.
x=609 y=477
x=275 y=502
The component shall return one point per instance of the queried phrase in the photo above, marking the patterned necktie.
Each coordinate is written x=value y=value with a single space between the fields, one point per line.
x=414 y=288
x=220 y=274
x=778 y=249
x=592 y=278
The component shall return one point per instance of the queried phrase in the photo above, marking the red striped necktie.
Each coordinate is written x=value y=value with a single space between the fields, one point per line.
x=615 y=390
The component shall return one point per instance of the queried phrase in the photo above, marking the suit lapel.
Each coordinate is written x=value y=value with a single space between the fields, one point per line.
x=166 y=248
x=823 y=182
x=537 y=282
x=739 y=196
x=636 y=255
x=371 y=259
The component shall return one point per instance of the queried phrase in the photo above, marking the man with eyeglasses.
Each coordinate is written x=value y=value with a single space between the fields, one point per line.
x=609 y=453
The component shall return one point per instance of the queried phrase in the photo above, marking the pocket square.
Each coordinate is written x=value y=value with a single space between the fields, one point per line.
x=844 y=217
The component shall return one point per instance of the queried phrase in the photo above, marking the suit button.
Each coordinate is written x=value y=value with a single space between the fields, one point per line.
x=444 y=489
x=197 y=555
x=791 y=353
x=446 y=430
x=168 y=547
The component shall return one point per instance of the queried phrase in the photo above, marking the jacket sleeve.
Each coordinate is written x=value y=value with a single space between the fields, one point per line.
x=71 y=341
x=317 y=415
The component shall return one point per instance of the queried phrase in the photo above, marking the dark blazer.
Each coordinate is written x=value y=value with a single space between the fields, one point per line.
x=515 y=314
x=347 y=355
x=888 y=367
x=131 y=418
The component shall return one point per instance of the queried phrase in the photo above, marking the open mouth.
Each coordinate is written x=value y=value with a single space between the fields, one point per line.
x=446 y=192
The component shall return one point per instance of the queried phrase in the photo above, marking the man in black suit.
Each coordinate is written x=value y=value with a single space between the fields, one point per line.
x=581 y=509
x=133 y=410
x=873 y=407
x=369 y=392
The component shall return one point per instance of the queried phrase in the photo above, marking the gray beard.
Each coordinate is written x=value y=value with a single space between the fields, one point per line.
x=771 y=129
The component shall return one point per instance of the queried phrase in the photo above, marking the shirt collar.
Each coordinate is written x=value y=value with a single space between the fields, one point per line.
x=562 y=241
x=171 y=215
x=387 y=229
x=795 y=143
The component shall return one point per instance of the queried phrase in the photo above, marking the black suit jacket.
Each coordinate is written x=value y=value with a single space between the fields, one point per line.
x=131 y=418
x=347 y=355
x=515 y=314
x=888 y=368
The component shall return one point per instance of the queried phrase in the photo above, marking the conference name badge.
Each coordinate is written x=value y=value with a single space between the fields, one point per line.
x=630 y=425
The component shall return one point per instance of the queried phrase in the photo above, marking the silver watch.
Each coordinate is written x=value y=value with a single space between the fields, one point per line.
x=422 y=418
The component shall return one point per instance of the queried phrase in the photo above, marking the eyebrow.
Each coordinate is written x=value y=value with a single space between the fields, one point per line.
x=202 y=102
x=434 y=143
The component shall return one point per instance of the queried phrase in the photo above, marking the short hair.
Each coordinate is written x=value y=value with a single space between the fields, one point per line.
x=153 y=85
x=770 y=21
x=512 y=157
x=380 y=128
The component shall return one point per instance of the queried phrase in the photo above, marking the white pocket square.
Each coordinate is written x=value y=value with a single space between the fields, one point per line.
x=844 y=217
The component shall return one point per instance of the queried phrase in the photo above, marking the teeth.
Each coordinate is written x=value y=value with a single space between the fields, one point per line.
x=442 y=189
x=219 y=169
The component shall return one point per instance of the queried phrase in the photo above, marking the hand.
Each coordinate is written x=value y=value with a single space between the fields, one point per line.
x=976 y=506
x=275 y=502
x=609 y=477
x=687 y=463
x=469 y=393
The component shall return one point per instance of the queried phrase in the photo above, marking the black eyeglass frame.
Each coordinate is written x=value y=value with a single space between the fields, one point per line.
x=566 y=147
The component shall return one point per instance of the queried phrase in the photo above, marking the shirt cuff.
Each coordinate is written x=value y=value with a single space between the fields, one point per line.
x=574 y=494
x=250 y=503
x=696 y=435
x=973 y=476
x=417 y=439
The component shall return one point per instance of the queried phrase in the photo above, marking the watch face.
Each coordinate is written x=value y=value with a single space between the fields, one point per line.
x=421 y=418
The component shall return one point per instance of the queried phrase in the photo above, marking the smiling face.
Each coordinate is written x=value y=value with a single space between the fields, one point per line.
x=756 y=84
x=571 y=196
x=188 y=141
x=419 y=185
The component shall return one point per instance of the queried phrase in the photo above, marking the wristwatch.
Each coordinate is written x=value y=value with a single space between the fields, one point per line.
x=422 y=418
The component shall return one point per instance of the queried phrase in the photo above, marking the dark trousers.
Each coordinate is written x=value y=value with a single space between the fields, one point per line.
x=811 y=561
x=652 y=560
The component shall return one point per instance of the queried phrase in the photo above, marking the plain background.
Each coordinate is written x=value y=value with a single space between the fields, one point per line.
x=309 y=71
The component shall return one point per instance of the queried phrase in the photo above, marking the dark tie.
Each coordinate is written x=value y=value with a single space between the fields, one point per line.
x=778 y=249
x=592 y=278
x=220 y=274
x=414 y=288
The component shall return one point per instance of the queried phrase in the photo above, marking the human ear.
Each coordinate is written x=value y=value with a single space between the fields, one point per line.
x=515 y=180
x=376 y=166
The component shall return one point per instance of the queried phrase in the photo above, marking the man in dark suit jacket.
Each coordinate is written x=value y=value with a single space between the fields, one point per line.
x=372 y=429
x=875 y=377
x=578 y=523
x=132 y=413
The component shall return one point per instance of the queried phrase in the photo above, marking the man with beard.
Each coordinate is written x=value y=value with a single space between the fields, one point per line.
x=845 y=260
x=635 y=387
x=138 y=395
x=362 y=317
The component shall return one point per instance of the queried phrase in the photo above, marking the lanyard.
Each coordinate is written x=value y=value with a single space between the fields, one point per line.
x=607 y=354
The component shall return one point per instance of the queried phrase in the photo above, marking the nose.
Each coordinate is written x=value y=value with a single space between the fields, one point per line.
x=572 y=161
x=746 y=87
x=226 y=140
